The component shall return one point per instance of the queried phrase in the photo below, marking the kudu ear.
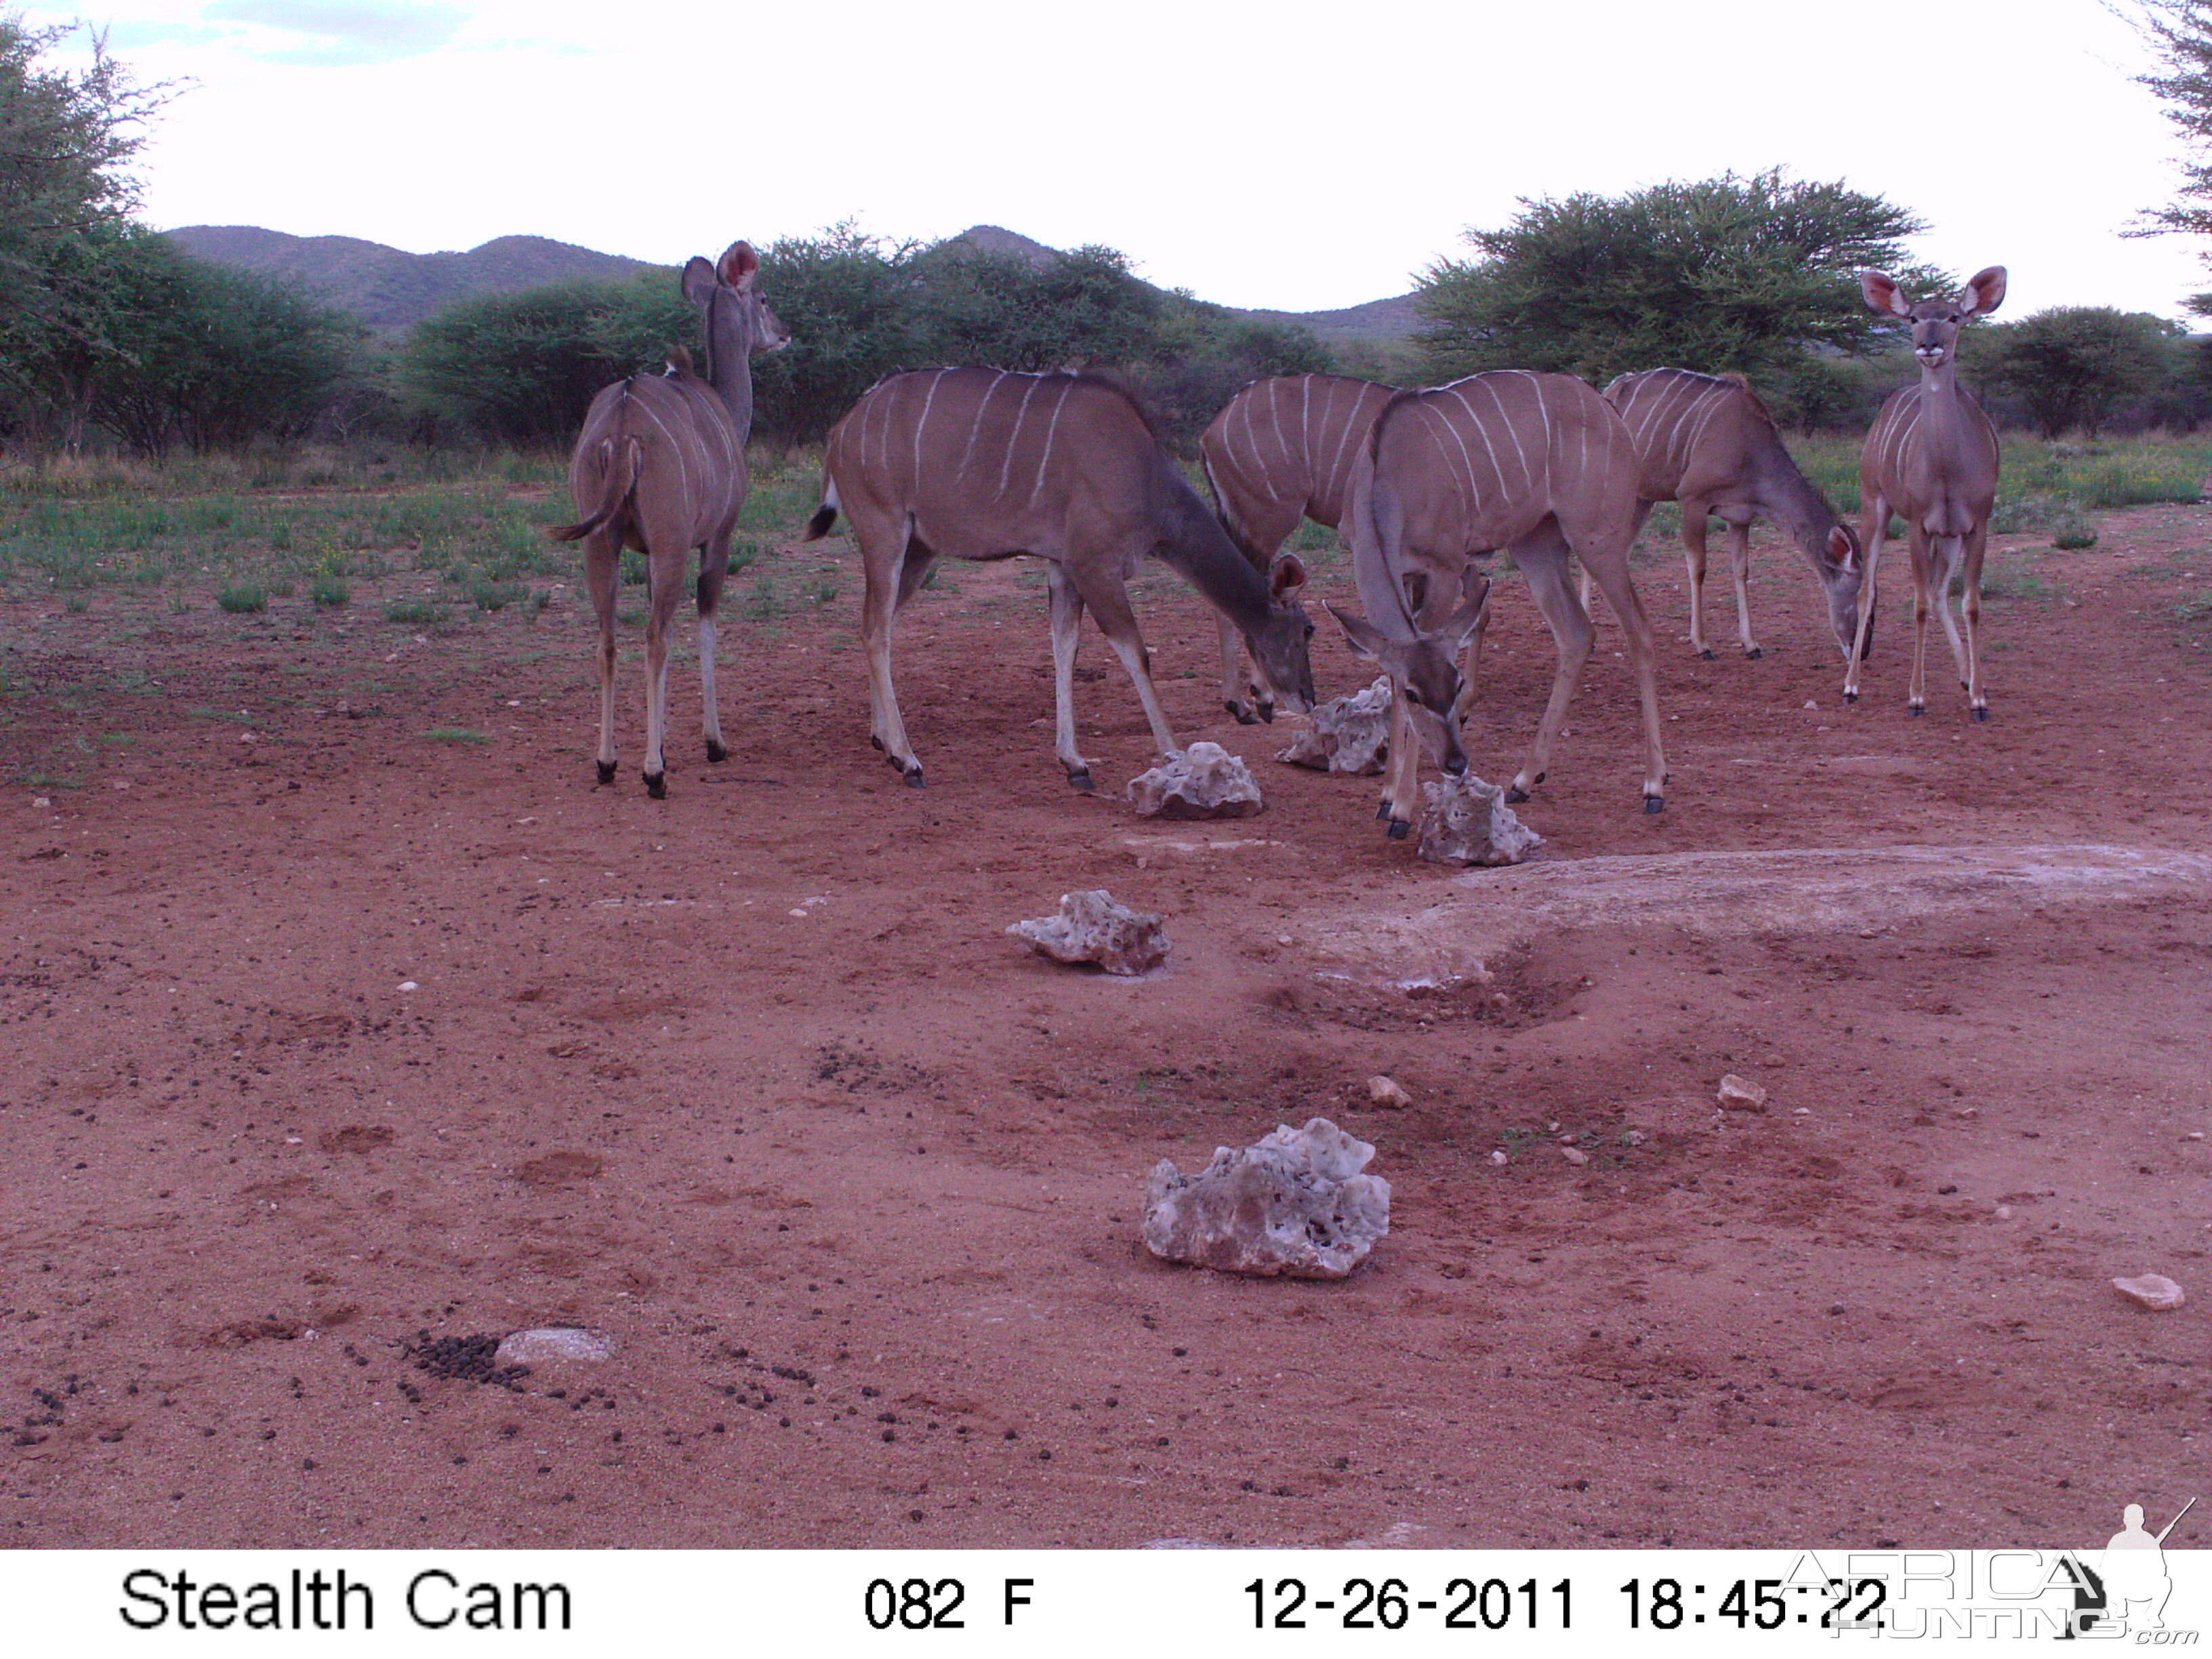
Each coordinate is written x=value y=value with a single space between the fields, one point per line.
x=739 y=265
x=1459 y=627
x=698 y=283
x=1883 y=296
x=1984 y=294
x=1287 y=578
x=1843 y=549
x=1364 y=638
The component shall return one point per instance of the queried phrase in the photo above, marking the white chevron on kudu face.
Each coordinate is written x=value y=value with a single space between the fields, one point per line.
x=660 y=468
x=1538 y=465
x=1281 y=450
x=1931 y=459
x=1063 y=467
x=1710 y=444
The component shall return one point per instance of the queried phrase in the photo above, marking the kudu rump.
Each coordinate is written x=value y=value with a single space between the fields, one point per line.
x=1284 y=449
x=981 y=463
x=1538 y=465
x=1710 y=444
x=660 y=467
x=1932 y=459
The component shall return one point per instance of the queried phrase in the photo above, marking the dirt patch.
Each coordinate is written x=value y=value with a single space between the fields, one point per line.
x=751 y=1080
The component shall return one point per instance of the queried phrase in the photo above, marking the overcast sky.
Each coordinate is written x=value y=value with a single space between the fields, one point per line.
x=1279 y=154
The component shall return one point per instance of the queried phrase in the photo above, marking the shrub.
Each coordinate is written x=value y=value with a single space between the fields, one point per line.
x=329 y=591
x=243 y=599
x=414 y=613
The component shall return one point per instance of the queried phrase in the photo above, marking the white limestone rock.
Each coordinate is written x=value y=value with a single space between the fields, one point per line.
x=1469 y=822
x=1295 y=1204
x=1738 y=1094
x=1203 y=781
x=1092 y=926
x=2152 y=1290
x=1346 y=734
x=551 y=1342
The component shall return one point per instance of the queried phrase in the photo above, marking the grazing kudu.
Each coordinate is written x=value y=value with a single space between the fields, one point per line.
x=660 y=467
x=1932 y=459
x=1538 y=465
x=1710 y=444
x=981 y=463
x=1281 y=450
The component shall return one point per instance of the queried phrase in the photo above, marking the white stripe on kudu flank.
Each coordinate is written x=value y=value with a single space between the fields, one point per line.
x=683 y=467
x=922 y=419
x=1433 y=418
x=1475 y=421
x=1275 y=420
x=1305 y=428
x=976 y=425
x=1344 y=444
x=1052 y=426
x=1021 y=414
x=1520 y=455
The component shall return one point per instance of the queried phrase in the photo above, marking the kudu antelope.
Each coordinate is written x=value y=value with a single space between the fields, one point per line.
x=981 y=463
x=1281 y=450
x=660 y=468
x=1932 y=459
x=1710 y=445
x=1538 y=465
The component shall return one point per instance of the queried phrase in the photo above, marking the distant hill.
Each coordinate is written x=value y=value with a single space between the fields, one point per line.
x=388 y=289
x=391 y=290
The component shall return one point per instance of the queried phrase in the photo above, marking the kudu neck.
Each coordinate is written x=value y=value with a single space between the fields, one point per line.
x=1193 y=544
x=730 y=361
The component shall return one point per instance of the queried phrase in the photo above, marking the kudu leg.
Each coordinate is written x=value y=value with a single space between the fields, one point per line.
x=1739 y=567
x=1543 y=559
x=1874 y=525
x=883 y=557
x=1067 y=638
x=1949 y=551
x=714 y=569
x=1693 y=557
x=1232 y=658
x=602 y=566
x=1642 y=657
x=1110 y=605
x=1401 y=767
x=1976 y=544
x=1915 y=701
x=665 y=578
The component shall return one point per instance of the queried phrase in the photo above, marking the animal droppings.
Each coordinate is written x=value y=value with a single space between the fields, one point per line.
x=1346 y=734
x=1294 y=1204
x=1202 y=781
x=1387 y=1092
x=1741 y=1095
x=1469 y=822
x=1092 y=926
x=2152 y=1290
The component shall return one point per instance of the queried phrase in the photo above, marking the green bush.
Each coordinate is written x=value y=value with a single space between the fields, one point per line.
x=413 y=613
x=329 y=592
x=244 y=599
x=497 y=595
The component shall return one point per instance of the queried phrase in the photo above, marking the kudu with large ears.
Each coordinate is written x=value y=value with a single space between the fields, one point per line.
x=1932 y=459
x=981 y=463
x=660 y=468
x=1538 y=465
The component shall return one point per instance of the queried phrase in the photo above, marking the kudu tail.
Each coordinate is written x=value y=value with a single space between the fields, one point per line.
x=621 y=459
x=824 y=515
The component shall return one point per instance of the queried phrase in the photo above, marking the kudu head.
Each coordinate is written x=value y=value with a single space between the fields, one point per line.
x=1424 y=664
x=1935 y=323
x=1842 y=568
x=1281 y=670
x=739 y=321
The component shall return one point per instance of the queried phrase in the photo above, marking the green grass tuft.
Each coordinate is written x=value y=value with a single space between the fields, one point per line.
x=243 y=599
x=456 y=734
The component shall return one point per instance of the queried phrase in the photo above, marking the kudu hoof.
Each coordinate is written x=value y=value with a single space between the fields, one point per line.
x=1244 y=716
x=1079 y=778
x=1850 y=697
x=913 y=779
x=1516 y=795
x=877 y=744
x=1754 y=653
x=1705 y=656
x=656 y=785
x=1400 y=829
x=1382 y=813
x=606 y=771
x=1913 y=711
x=715 y=752
x=1981 y=714
x=1268 y=713
x=1654 y=804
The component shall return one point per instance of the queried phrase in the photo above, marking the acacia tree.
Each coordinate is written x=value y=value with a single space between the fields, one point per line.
x=2179 y=31
x=66 y=141
x=1731 y=273
x=2070 y=366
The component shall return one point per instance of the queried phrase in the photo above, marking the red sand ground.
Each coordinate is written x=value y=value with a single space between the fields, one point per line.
x=751 y=1080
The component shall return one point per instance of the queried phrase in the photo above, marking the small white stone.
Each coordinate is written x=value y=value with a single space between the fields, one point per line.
x=1387 y=1092
x=801 y=914
x=2004 y=1211
x=1284 y=938
x=1741 y=1094
x=552 y=1342
x=1809 y=703
x=2154 y=1291
x=409 y=985
x=1499 y=1158
x=42 y=800
x=1574 y=1155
